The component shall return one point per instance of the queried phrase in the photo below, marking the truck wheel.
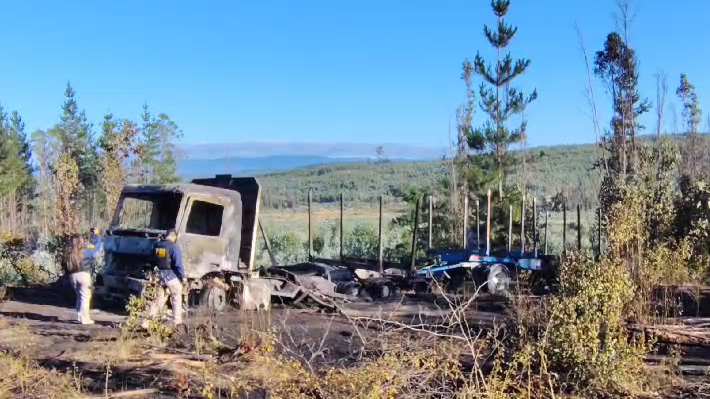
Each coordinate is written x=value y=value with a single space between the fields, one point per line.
x=498 y=281
x=386 y=291
x=213 y=298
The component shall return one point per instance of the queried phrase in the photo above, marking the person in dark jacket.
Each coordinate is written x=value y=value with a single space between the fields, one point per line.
x=172 y=277
x=94 y=244
x=78 y=267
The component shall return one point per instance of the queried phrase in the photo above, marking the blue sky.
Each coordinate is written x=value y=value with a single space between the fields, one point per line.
x=337 y=71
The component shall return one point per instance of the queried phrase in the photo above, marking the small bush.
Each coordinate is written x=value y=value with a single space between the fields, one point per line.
x=137 y=308
x=22 y=377
x=586 y=338
x=289 y=248
x=361 y=242
x=400 y=371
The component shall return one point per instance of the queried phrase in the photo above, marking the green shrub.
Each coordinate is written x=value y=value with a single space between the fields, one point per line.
x=586 y=338
x=361 y=242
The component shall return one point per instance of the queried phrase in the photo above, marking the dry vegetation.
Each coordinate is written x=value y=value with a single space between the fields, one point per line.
x=592 y=337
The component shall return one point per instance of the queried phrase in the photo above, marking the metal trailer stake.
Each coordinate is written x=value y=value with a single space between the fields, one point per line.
x=522 y=227
x=547 y=218
x=267 y=244
x=579 y=229
x=310 y=228
x=510 y=227
x=342 y=255
x=465 y=221
x=534 y=226
x=414 y=237
x=564 y=228
x=431 y=219
x=488 y=226
x=379 y=241
x=478 y=226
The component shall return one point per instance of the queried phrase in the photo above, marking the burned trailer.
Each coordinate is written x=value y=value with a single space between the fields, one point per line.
x=493 y=274
x=326 y=282
x=490 y=270
x=215 y=220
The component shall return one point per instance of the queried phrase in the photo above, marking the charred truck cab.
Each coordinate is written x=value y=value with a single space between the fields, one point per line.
x=216 y=221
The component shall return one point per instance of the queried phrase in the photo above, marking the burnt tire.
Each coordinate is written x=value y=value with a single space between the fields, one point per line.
x=498 y=280
x=213 y=299
x=386 y=291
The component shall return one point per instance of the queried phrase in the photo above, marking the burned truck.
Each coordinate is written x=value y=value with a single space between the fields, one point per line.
x=216 y=222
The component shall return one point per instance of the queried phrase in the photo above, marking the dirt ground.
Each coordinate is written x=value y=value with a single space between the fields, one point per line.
x=41 y=323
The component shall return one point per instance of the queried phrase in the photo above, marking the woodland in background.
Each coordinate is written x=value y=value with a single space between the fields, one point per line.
x=68 y=177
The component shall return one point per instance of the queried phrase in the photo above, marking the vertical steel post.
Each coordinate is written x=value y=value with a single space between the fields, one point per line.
x=488 y=226
x=478 y=225
x=380 y=262
x=465 y=221
x=547 y=219
x=414 y=237
x=564 y=228
x=510 y=228
x=579 y=229
x=310 y=227
x=342 y=229
x=431 y=219
x=267 y=244
x=534 y=226
x=522 y=227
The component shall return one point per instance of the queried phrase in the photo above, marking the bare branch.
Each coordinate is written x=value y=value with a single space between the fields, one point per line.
x=590 y=94
x=661 y=92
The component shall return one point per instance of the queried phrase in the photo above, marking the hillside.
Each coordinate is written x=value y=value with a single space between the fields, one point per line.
x=550 y=170
x=287 y=178
x=190 y=168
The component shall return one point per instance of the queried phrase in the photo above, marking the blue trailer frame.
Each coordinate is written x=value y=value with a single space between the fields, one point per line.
x=455 y=259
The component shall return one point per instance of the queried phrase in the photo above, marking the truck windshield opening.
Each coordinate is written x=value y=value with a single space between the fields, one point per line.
x=154 y=211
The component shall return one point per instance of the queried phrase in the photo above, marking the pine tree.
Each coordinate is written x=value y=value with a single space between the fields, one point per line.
x=488 y=160
x=150 y=141
x=165 y=169
x=498 y=99
x=17 y=132
x=75 y=139
x=693 y=147
x=15 y=168
x=158 y=147
x=616 y=65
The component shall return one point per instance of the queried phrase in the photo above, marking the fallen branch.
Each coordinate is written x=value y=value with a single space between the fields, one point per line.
x=171 y=356
x=124 y=394
x=676 y=334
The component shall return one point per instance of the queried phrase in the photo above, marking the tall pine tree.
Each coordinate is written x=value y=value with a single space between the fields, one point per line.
x=75 y=139
x=617 y=67
x=498 y=99
x=15 y=168
x=158 y=148
x=693 y=148
x=151 y=145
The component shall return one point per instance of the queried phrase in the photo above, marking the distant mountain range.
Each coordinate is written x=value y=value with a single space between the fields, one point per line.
x=331 y=150
x=260 y=157
x=189 y=168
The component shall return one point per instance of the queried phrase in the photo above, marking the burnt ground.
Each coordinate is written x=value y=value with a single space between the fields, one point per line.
x=40 y=323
